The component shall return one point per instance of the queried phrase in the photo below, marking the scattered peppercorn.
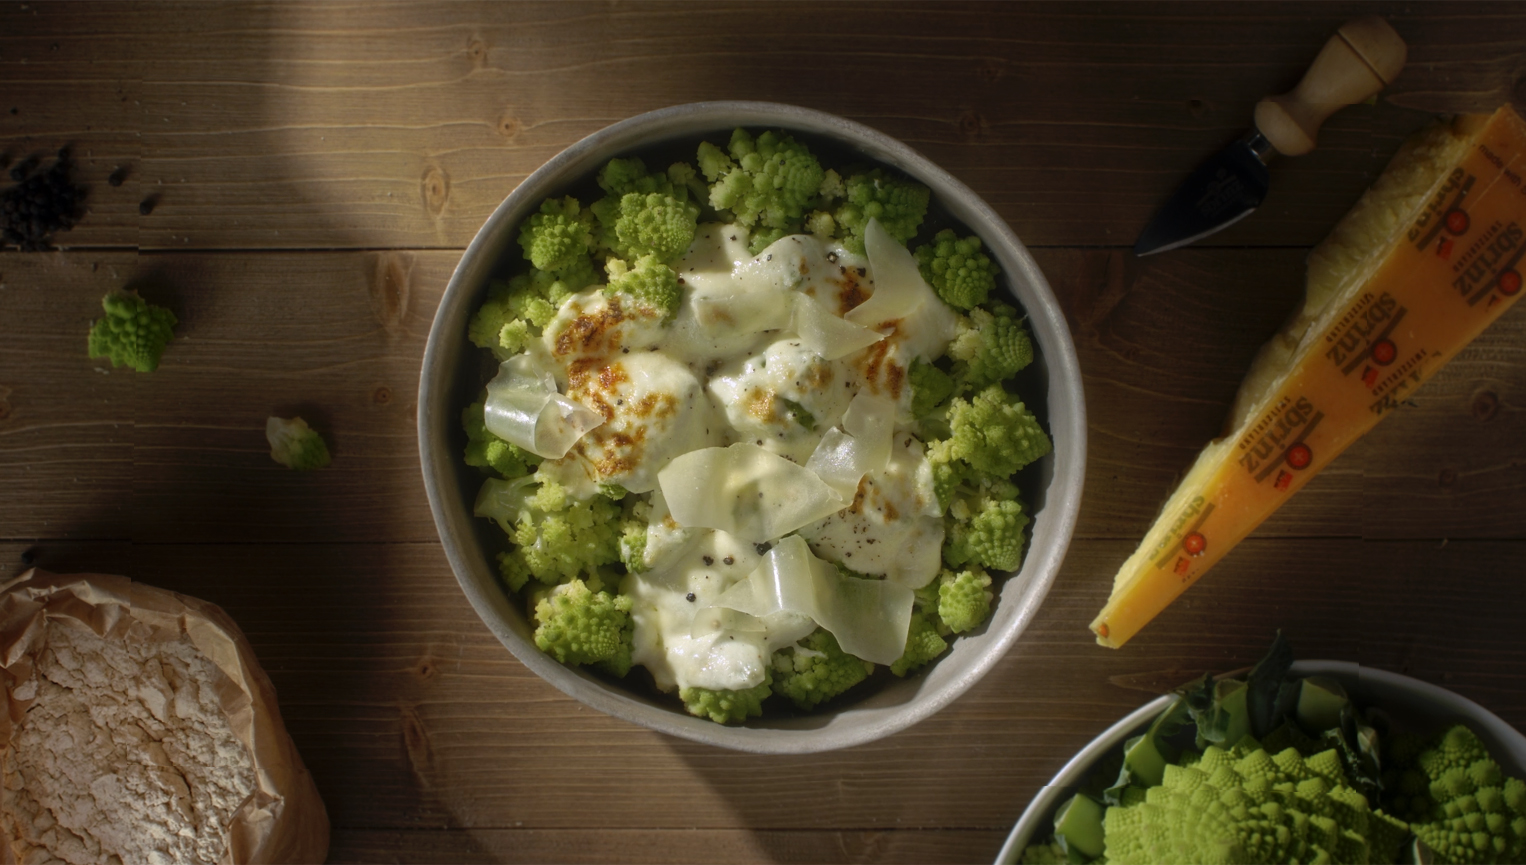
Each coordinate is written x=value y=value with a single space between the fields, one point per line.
x=689 y=597
x=41 y=203
x=729 y=560
x=118 y=177
x=147 y=205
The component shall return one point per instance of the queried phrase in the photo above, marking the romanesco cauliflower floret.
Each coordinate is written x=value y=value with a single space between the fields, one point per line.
x=633 y=528
x=964 y=599
x=816 y=670
x=558 y=536
x=767 y=183
x=992 y=536
x=899 y=205
x=654 y=224
x=923 y=643
x=487 y=451
x=930 y=386
x=727 y=707
x=995 y=433
x=558 y=236
x=652 y=283
x=296 y=445
x=990 y=346
x=577 y=625
x=516 y=310
x=961 y=274
x=133 y=333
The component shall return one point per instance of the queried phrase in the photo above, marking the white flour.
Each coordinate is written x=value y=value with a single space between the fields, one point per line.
x=125 y=757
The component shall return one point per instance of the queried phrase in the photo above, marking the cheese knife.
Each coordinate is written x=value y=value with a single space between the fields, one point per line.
x=1363 y=57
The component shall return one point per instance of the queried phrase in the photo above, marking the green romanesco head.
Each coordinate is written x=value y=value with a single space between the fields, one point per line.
x=577 y=625
x=558 y=236
x=491 y=453
x=930 y=386
x=727 y=707
x=816 y=670
x=964 y=599
x=1474 y=813
x=633 y=525
x=1247 y=808
x=650 y=282
x=133 y=332
x=957 y=270
x=990 y=346
x=767 y=183
x=991 y=535
x=898 y=204
x=653 y=224
x=923 y=644
x=995 y=433
x=558 y=536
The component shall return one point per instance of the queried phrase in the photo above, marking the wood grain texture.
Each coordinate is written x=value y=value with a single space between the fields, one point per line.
x=334 y=125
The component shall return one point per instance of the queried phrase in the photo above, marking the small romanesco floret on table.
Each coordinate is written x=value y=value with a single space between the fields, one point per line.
x=816 y=670
x=133 y=333
x=487 y=451
x=295 y=445
x=577 y=625
x=558 y=536
x=558 y=236
x=995 y=433
x=727 y=707
x=650 y=282
x=767 y=183
x=964 y=599
x=990 y=346
x=899 y=205
x=957 y=270
x=645 y=214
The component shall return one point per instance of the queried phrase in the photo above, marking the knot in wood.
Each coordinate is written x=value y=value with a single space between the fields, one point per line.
x=434 y=188
x=391 y=278
x=1486 y=404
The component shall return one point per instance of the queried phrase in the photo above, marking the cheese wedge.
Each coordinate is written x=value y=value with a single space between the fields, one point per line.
x=1430 y=255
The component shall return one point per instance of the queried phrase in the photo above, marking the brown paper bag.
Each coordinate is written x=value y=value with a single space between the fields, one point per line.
x=283 y=819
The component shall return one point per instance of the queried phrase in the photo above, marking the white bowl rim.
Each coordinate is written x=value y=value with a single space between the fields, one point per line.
x=1505 y=743
x=1053 y=525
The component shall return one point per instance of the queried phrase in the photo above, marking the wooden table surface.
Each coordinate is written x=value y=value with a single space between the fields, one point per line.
x=316 y=171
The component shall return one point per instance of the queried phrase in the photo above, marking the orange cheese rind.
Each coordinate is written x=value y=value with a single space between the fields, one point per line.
x=1428 y=258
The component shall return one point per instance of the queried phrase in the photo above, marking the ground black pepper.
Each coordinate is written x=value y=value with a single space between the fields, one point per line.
x=40 y=204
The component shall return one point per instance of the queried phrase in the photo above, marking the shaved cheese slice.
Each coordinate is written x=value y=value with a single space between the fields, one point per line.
x=746 y=491
x=898 y=286
x=524 y=409
x=826 y=334
x=844 y=456
x=776 y=630
x=869 y=618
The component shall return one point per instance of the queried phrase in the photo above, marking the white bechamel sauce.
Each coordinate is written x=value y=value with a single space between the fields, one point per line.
x=755 y=393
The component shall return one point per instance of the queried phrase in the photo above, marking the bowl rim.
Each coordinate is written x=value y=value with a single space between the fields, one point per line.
x=1505 y=743
x=1054 y=523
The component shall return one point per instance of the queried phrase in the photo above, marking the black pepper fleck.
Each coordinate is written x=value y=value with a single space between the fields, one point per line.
x=147 y=205
x=118 y=177
x=708 y=560
x=689 y=597
x=729 y=560
x=861 y=271
x=762 y=548
x=40 y=204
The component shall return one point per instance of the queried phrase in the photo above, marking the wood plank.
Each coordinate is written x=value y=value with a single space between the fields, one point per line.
x=699 y=846
x=338 y=125
x=412 y=716
x=338 y=337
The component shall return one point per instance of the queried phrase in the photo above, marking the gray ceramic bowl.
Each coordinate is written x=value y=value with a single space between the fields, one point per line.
x=451 y=379
x=1416 y=704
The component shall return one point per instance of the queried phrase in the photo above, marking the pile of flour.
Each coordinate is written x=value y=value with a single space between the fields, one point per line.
x=125 y=757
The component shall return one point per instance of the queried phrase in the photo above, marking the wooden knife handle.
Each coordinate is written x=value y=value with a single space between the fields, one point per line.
x=1362 y=58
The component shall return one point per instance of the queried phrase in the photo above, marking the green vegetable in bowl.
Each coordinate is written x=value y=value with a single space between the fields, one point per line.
x=744 y=437
x=1272 y=769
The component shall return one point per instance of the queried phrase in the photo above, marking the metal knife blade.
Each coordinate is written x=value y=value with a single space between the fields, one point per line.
x=1222 y=191
x=1361 y=59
